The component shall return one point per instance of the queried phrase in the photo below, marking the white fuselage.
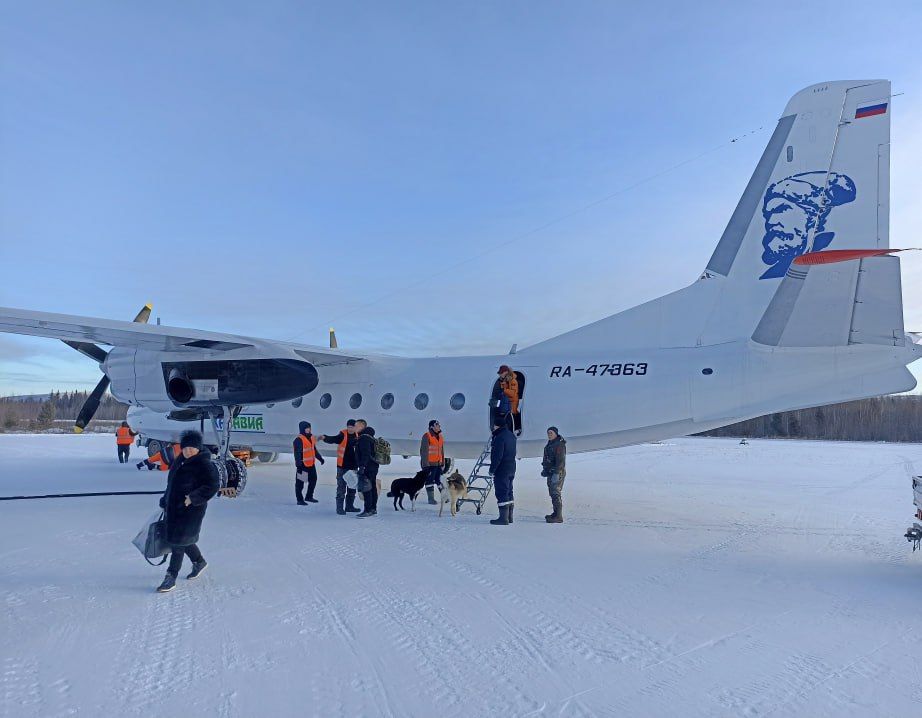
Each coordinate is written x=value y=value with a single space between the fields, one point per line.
x=624 y=398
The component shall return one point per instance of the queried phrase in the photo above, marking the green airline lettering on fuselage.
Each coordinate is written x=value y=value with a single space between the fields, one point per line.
x=248 y=422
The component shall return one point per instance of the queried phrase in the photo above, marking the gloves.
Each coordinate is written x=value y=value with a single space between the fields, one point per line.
x=163 y=502
x=140 y=465
x=321 y=460
x=544 y=473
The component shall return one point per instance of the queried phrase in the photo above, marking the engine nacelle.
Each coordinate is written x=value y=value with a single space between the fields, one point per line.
x=237 y=381
x=167 y=381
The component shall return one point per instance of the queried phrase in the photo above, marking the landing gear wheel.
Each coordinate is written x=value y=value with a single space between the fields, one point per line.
x=232 y=476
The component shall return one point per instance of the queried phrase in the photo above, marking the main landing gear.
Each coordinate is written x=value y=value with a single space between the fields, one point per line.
x=232 y=472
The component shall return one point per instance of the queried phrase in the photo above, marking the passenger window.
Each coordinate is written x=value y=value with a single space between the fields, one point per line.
x=325 y=401
x=790 y=153
x=421 y=401
x=296 y=403
x=387 y=401
x=355 y=401
x=457 y=402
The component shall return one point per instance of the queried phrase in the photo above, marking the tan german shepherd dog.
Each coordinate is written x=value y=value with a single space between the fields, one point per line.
x=455 y=487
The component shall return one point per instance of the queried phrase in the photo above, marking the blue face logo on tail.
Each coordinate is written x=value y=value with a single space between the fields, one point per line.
x=795 y=209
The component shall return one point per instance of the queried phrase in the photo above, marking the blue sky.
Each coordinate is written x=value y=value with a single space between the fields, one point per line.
x=318 y=164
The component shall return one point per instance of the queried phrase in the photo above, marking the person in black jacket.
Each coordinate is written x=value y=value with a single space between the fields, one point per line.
x=192 y=482
x=554 y=469
x=306 y=455
x=502 y=468
x=367 y=468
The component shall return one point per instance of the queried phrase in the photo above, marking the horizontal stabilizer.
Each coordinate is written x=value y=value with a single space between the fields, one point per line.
x=836 y=304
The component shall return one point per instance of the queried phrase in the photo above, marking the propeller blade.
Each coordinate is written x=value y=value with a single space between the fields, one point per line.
x=90 y=405
x=333 y=344
x=88 y=349
x=144 y=314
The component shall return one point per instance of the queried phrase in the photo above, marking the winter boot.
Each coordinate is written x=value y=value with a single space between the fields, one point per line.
x=197 y=568
x=430 y=492
x=369 y=506
x=339 y=507
x=310 y=493
x=503 y=519
x=557 y=516
x=169 y=583
x=350 y=502
x=511 y=507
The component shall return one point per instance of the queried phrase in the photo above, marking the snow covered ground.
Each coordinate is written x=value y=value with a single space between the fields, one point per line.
x=696 y=578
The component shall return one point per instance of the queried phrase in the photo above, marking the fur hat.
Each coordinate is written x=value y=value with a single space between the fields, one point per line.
x=504 y=369
x=191 y=439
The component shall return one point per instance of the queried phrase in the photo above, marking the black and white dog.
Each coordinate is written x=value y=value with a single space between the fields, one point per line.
x=407 y=487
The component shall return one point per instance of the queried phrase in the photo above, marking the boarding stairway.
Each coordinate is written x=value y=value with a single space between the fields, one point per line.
x=479 y=483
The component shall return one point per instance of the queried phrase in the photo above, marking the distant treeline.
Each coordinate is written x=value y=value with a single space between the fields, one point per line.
x=18 y=413
x=886 y=418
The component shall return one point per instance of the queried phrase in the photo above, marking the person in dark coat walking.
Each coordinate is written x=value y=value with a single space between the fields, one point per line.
x=192 y=482
x=554 y=468
x=367 y=468
x=502 y=468
x=306 y=457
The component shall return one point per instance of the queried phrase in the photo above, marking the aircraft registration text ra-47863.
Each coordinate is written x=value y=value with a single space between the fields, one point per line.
x=629 y=369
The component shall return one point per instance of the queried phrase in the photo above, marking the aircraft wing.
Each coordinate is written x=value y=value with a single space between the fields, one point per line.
x=155 y=337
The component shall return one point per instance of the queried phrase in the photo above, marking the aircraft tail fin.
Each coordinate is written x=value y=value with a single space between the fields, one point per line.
x=822 y=182
x=837 y=304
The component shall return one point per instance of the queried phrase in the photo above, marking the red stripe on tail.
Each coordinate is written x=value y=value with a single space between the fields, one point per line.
x=831 y=256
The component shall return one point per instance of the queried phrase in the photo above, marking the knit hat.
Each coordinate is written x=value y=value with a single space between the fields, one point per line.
x=351 y=422
x=554 y=429
x=304 y=426
x=191 y=439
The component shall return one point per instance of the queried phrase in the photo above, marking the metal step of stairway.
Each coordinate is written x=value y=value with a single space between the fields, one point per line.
x=478 y=482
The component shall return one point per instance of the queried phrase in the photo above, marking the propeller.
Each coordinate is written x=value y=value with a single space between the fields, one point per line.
x=98 y=354
x=333 y=344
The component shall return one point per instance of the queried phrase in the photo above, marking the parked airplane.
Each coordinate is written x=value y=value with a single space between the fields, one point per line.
x=778 y=320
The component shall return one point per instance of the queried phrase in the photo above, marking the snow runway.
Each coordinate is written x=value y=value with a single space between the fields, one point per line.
x=696 y=577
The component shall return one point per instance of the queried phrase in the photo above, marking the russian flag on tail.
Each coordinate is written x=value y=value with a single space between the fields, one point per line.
x=879 y=108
